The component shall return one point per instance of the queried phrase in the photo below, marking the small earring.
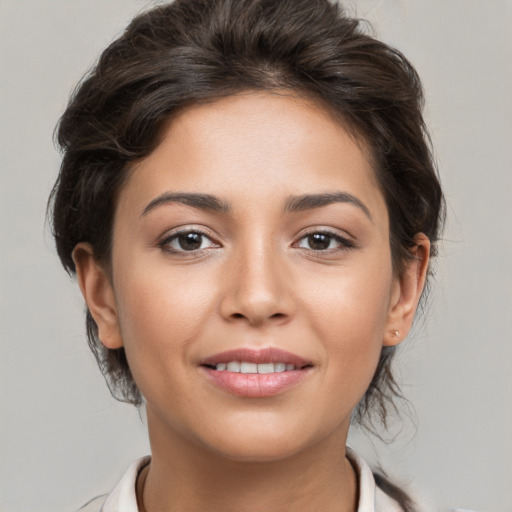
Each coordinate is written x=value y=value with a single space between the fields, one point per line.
x=396 y=333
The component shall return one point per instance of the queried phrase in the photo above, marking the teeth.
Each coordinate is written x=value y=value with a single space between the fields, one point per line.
x=266 y=368
x=248 y=368
x=234 y=366
x=245 y=367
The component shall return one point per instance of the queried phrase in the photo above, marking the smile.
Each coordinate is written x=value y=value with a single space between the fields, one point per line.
x=247 y=367
x=256 y=373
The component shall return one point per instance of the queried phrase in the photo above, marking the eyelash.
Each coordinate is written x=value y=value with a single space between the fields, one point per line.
x=165 y=244
x=343 y=243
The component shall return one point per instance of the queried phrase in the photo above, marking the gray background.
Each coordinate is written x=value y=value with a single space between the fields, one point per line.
x=63 y=439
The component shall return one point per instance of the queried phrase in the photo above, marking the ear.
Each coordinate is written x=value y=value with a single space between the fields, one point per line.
x=98 y=294
x=406 y=292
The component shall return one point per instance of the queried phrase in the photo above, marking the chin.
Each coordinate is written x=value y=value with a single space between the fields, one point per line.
x=260 y=441
x=257 y=450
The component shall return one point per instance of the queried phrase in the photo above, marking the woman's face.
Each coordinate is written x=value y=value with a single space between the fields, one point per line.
x=255 y=236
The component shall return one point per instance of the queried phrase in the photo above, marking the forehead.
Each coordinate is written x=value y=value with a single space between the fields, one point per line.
x=254 y=146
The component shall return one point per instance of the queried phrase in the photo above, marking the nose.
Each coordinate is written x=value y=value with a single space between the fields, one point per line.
x=257 y=288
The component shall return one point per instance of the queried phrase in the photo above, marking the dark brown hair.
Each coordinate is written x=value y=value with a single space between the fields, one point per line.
x=193 y=51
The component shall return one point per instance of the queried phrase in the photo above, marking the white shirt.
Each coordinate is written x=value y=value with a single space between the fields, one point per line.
x=123 y=497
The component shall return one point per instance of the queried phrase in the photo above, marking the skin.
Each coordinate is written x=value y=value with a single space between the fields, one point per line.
x=255 y=282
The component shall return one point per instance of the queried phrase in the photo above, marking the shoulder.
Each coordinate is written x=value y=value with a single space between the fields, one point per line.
x=123 y=497
x=384 y=503
x=94 y=505
x=371 y=497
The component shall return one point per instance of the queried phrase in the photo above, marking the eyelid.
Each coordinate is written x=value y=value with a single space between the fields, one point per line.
x=346 y=242
x=172 y=234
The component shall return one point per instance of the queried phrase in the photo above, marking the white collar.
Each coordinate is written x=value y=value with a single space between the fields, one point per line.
x=123 y=497
x=371 y=497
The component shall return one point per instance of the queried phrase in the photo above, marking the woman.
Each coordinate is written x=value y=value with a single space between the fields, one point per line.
x=248 y=200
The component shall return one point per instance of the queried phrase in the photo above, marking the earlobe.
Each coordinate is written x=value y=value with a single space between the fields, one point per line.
x=98 y=294
x=407 y=292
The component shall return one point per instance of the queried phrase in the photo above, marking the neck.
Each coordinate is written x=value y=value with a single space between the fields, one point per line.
x=185 y=476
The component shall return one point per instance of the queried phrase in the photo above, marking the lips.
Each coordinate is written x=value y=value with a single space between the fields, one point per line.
x=248 y=367
x=263 y=356
x=255 y=373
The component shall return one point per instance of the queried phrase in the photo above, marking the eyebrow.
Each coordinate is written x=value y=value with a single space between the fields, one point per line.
x=310 y=201
x=293 y=203
x=201 y=201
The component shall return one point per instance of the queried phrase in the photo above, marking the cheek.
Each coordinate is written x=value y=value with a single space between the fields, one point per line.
x=350 y=313
x=351 y=302
x=151 y=299
x=160 y=314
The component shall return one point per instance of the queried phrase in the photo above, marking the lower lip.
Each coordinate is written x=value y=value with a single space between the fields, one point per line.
x=255 y=385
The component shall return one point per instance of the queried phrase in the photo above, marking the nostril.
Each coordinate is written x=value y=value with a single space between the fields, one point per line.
x=275 y=316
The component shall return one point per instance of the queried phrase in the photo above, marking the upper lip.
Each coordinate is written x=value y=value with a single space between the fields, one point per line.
x=258 y=356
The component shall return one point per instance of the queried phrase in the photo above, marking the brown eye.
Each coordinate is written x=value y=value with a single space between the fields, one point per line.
x=190 y=241
x=324 y=241
x=319 y=241
x=187 y=241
